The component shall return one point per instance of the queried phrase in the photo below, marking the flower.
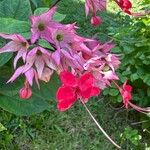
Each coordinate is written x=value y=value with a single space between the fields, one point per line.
x=125 y=5
x=96 y=21
x=39 y=57
x=31 y=74
x=102 y=63
x=94 y=6
x=75 y=88
x=127 y=97
x=25 y=92
x=126 y=93
x=40 y=25
x=18 y=44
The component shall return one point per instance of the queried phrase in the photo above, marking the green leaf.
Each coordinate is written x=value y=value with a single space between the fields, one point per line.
x=113 y=92
x=128 y=49
x=45 y=44
x=106 y=91
x=4 y=58
x=146 y=79
x=57 y=16
x=116 y=50
x=9 y=26
x=148 y=91
x=35 y=2
x=17 y=9
x=2 y=128
x=43 y=3
x=134 y=77
x=41 y=99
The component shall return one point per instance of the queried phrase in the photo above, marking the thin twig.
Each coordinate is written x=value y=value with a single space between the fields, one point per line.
x=98 y=125
x=136 y=123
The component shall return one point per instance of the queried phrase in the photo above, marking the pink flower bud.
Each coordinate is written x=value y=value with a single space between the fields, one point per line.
x=25 y=93
x=95 y=21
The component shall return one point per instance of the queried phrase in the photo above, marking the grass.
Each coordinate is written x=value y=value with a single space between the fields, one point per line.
x=73 y=129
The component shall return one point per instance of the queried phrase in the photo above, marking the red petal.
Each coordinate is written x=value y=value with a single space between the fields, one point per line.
x=86 y=81
x=65 y=93
x=127 y=87
x=93 y=91
x=64 y=105
x=68 y=79
x=66 y=97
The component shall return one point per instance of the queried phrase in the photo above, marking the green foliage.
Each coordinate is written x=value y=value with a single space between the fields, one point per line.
x=10 y=25
x=45 y=44
x=132 y=135
x=40 y=101
x=43 y=3
x=2 y=128
x=133 y=41
x=4 y=58
x=17 y=9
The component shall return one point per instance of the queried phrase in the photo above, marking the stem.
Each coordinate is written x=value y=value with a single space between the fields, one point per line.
x=55 y=4
x=98 y=125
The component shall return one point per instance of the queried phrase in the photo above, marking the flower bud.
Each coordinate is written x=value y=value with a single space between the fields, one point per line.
x=95 y=21
x=25 y=93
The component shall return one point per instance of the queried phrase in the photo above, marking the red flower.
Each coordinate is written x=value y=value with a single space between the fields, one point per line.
x=96 y=21
x=125 y=5
x=126 y=94
x=74 y=88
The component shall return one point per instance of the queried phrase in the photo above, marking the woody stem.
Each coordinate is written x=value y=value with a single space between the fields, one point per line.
x=98 y=125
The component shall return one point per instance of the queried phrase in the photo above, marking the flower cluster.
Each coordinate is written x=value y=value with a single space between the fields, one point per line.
x=91 y=64
x=69 y=50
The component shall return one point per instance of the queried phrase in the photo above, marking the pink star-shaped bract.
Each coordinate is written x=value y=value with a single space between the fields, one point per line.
x=64 y=36
x=68 y=58
x=74 y=88
x=101 y=63
x=40 y=25
x=40 y=58
x=31 y=75
x=38 y=66
x=18 y=44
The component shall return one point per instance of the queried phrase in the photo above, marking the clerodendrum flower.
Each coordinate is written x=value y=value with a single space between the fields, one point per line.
x=18 y=44
x=40 y=25
x=102 y=63
x=93 y=6
x=127 y=97
x=39 y=57
x=74 y=88
x=125 y=5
